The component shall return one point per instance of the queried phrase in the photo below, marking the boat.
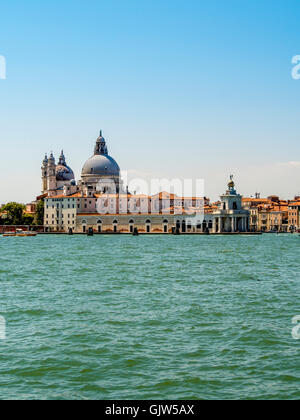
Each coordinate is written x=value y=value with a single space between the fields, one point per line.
x=20 y=232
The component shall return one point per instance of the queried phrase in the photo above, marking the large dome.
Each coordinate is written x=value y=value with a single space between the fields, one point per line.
x=103 y=165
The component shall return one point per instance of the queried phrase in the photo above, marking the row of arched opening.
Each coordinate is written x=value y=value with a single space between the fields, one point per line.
x=131 y=223
x=181 y=225
x=185 y=226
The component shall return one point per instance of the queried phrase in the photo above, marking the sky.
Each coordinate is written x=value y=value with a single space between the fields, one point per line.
x=181 y=89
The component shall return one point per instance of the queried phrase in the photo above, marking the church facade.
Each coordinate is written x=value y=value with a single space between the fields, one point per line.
x=99 y=202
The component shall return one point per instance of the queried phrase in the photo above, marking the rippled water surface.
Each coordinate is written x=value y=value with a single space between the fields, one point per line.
x=149 y=317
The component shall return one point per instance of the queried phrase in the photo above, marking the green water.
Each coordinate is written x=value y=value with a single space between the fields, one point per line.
x=151 y=317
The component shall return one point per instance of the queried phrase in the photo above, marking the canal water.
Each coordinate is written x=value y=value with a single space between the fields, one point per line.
x=149 y=317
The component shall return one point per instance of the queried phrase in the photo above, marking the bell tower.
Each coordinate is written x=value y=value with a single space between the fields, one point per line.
x=51 y=174
x=44 y=174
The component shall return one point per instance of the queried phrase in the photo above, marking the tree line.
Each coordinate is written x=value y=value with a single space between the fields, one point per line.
x=15 y=214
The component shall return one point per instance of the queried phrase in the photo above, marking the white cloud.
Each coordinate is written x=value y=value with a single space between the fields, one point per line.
x=290 y=164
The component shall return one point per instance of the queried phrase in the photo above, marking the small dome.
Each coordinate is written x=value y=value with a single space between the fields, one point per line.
x=101 y=165
x=64 y=173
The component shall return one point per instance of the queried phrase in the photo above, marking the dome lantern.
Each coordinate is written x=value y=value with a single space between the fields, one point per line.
x=100 y=148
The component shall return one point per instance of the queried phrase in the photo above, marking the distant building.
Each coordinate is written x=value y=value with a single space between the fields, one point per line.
x=231 y=216
x=294 y=215
x=267 y=214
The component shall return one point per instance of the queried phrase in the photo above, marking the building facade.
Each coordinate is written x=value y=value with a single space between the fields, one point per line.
x=99 y=202
x=231 y=217
x=294 y=215
x=268 y=214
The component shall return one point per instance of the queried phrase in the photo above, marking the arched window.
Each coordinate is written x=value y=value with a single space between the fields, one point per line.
x=83 y=226
x=115 y=223
x=198 y=224
x=131 y=225
x=166 y=225
x=148 y=226
x=210 y=224
x=234 y=206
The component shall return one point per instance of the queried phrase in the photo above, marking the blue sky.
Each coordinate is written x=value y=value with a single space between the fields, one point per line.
x=180 y=88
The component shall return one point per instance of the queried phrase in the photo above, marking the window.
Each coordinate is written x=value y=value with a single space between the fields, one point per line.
x=131 y=225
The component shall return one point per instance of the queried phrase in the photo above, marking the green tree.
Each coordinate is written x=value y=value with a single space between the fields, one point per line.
x=14 y=213
x=28 y=219
x=39 y=213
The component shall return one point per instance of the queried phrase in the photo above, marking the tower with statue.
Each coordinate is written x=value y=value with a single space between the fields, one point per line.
x=231 y=217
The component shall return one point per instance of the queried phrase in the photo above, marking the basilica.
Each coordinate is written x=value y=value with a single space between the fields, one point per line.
x=100 y=203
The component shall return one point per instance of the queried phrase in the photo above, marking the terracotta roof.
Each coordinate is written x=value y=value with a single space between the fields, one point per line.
x=256 y=200
x=70 y=196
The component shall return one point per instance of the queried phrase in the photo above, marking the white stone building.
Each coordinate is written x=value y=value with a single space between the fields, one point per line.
x=231 y=217
x=99 y=202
